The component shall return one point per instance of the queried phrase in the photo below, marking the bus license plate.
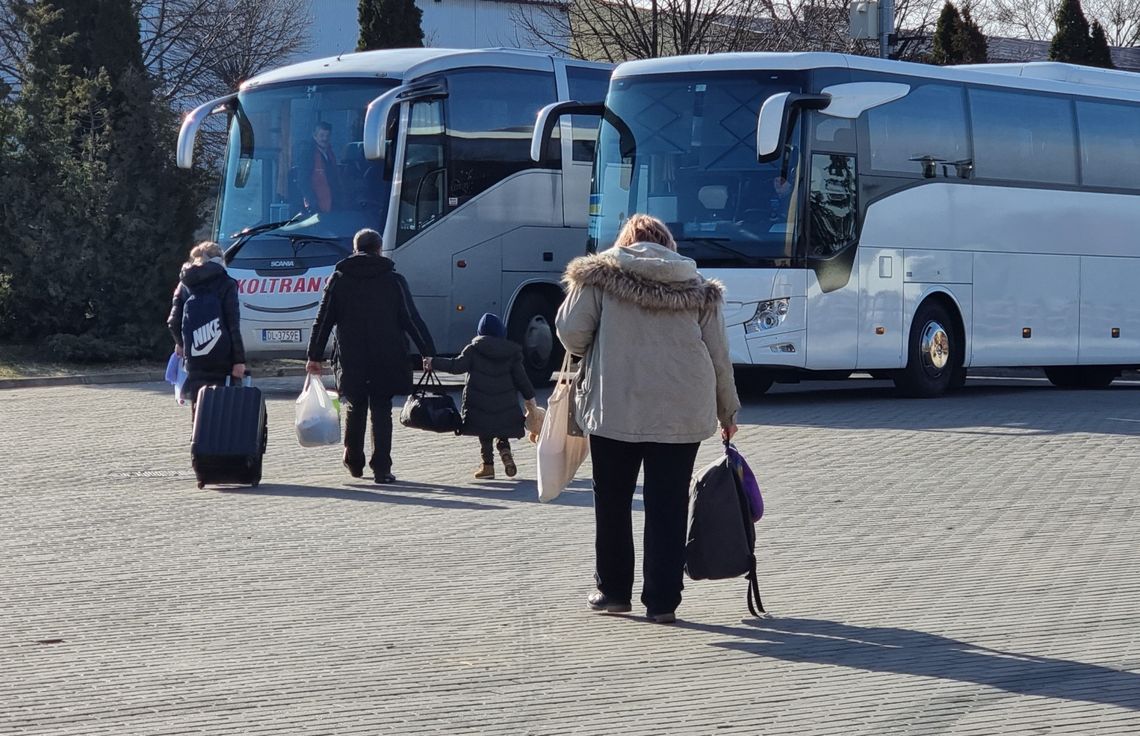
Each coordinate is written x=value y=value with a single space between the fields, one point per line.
x=281 y=335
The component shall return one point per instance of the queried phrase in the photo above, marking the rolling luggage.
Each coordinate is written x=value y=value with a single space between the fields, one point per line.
x=230 y=431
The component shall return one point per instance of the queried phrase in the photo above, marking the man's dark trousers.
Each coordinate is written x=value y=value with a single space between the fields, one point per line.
x=359 y=400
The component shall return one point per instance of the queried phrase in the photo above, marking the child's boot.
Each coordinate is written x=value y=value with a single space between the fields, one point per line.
x=508 y=462
x=485 y=471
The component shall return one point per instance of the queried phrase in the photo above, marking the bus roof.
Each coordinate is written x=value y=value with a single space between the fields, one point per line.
x=406 y=64
x=1043 y=76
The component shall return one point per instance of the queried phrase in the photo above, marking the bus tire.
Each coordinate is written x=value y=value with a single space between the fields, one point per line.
x=751 y=383
x=1081 y=376
x=531 y=325
x=934 y=353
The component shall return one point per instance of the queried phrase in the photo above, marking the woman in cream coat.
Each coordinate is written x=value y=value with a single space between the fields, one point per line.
x=655 y=380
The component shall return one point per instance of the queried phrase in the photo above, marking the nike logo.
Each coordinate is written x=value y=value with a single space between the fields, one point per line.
x=206 y=337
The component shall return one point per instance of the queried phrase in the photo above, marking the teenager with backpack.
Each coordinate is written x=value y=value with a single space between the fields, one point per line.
x=205 y=322
x=495 y=378
x=655 y=381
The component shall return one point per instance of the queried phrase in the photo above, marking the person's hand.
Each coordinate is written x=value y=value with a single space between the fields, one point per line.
x=180 y=351
x=315 y=367
x=238 y=370
x=427 y=364
x=727 y=432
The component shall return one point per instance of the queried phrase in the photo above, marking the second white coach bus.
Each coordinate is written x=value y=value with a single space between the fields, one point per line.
x=429 y=147
x=902 y=219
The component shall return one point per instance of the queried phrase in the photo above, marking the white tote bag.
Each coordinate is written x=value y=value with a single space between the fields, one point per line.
x=560 y=454
x=317 y=415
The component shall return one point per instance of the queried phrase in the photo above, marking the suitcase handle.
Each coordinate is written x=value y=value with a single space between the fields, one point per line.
x=247 y=379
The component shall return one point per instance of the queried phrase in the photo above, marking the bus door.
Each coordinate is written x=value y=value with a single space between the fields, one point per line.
x=831 y=216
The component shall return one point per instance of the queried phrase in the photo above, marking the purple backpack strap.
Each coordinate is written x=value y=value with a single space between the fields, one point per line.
x=748 y=482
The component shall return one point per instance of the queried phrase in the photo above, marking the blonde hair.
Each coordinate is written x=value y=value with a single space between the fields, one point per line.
x=645 y=229
x=204 y=251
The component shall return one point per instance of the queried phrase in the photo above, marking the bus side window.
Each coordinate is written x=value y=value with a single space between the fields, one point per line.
x=831 y=203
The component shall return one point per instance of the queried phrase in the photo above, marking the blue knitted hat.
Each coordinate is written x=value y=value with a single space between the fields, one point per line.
x=490 y=324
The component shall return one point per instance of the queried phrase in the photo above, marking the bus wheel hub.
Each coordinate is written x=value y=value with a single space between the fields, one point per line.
x=935 y=347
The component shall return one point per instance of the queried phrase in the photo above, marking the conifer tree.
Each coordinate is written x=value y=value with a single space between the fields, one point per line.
x=1072 y=41
x=389 y=24
x=103 y=216
x=1099 y=53
x=971 y=42
x=946 y=33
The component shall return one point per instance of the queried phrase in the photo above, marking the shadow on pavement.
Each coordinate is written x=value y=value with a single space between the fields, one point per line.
x=909 y=652
x=579 y=493
x=371 y=493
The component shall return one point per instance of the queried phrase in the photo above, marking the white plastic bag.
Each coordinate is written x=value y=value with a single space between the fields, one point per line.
x=560 y=454
x=317 y=415
x=179 y=382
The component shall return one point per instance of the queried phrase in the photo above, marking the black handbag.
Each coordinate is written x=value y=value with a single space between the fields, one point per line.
x=428 y=407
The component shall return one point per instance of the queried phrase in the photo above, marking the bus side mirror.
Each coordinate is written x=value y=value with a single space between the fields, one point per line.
x=379 y=122
x=548 y=117
x=774 y=124
x=188 y=133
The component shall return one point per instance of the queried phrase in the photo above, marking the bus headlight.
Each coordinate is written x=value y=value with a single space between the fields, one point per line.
x=768 y=315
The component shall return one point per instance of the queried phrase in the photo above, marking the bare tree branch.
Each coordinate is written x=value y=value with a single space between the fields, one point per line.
x=194 y=49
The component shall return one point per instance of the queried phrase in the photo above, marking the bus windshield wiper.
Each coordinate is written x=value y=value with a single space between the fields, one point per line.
x=719 y=244
x=265 y=227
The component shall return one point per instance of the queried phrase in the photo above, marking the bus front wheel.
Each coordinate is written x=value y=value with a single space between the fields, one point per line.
x=934 y=353
x=531 y=325
x=1085 y=376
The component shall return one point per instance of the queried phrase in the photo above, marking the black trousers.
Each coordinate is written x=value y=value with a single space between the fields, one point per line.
x=357 y=400
x=668 y=471
x=488 y=445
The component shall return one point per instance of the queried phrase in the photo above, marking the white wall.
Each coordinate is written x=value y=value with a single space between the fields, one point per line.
x=446 y=24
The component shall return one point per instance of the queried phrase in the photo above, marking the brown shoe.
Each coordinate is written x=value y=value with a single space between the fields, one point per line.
x=486 y=471
x=508 y=463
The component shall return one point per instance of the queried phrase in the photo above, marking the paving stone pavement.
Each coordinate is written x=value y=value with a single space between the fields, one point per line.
x=965 y=565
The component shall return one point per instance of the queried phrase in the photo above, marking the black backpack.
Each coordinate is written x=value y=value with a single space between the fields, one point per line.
x=722 y=535
x=204 y=336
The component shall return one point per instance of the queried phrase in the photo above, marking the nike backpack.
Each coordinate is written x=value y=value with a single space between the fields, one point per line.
x=204 y=337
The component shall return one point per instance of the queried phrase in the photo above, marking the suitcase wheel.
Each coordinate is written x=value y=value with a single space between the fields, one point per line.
x=201 y=485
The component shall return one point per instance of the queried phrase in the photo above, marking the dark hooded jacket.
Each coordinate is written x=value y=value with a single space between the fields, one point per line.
x=495 y=378
x=195 y=279
x=372 y=309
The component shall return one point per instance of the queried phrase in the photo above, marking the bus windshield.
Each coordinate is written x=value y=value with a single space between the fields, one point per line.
x=682 y=147
x=295 y=155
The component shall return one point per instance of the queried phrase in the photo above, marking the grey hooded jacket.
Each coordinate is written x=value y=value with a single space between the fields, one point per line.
x=651 y=333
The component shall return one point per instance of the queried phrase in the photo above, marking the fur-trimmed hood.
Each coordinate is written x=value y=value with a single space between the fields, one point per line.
x=648 y=275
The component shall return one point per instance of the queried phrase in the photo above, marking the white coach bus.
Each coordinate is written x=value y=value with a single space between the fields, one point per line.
x=427 y=146
x=902 y=219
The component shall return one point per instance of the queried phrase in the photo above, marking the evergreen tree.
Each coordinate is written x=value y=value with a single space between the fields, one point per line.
x=1099 y=54
x=389 y=24
x=1072 y=40
x=101 y=216
x=53 y=183
x=971 y=42
x=946 y=33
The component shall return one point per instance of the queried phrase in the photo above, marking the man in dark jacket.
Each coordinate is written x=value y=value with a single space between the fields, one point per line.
x=372 y=309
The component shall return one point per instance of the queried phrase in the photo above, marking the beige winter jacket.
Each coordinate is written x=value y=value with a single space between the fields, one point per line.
x=651 y=333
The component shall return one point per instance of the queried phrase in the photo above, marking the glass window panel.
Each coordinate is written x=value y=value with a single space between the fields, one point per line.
x=1023 y=137
x=586 y=85
x=926 y=127
x=1110 y=144
x=490 y=118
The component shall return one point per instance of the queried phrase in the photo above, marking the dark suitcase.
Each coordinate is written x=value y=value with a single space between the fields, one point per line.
x=230 y=431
